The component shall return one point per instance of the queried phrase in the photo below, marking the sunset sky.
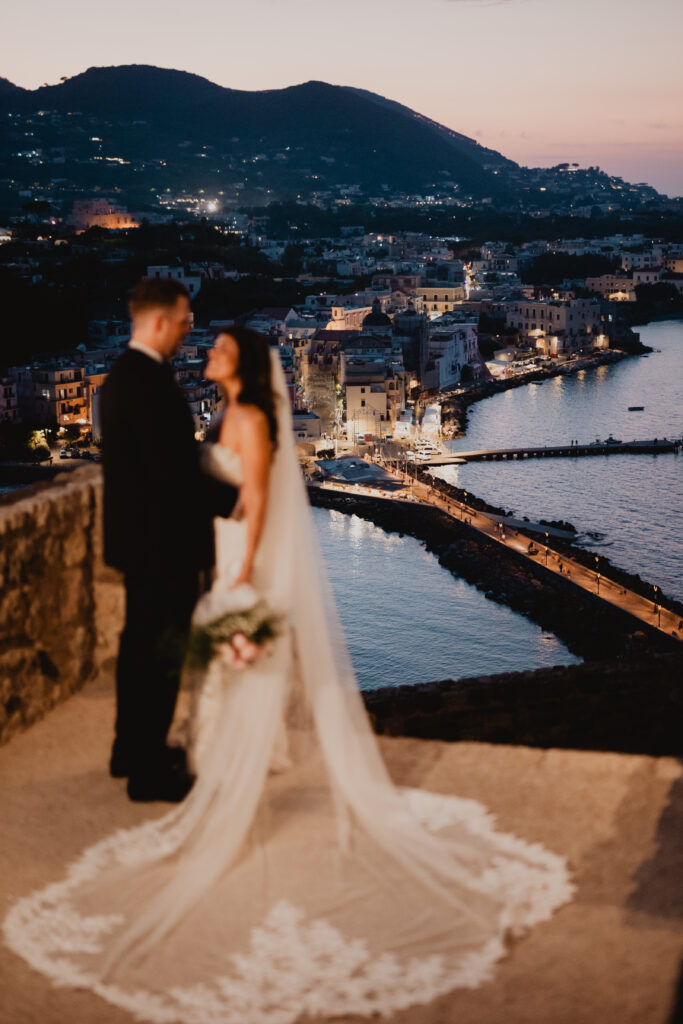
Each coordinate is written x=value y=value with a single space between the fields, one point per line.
x=542 y=81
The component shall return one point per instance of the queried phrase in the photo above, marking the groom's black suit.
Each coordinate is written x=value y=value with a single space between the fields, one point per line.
x=158 y=530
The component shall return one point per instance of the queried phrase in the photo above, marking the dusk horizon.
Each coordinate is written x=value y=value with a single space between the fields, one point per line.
x=597 y=88
x=341 y=393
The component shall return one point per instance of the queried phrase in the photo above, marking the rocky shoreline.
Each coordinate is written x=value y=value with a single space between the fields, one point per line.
x=590 y=628
x=625 y=696
x=586 y=557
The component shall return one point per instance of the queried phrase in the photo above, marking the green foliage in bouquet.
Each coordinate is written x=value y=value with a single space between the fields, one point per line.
x=258 y=624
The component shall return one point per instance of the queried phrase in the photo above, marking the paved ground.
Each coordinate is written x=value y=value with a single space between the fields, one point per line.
x=611 y=957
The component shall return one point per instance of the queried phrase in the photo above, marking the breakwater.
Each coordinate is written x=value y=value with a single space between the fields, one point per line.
x=589 y=559
x=654 y=446
x=589 y=627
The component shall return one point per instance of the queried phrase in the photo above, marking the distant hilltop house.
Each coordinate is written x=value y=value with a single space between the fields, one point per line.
x=100 y=213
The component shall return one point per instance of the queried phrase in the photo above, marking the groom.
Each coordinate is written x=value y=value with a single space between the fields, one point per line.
x=158 y=531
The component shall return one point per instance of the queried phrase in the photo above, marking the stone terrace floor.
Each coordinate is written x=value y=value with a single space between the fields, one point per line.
x=613 y=956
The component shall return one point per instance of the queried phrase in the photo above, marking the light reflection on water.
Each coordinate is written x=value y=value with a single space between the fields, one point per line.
x=633 y=502
x=408 y=620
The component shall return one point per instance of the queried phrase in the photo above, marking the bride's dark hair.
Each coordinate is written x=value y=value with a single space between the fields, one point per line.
x=255 y=373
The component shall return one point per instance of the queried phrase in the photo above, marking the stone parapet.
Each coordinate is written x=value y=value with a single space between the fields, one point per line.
x=630 y=705
x=52 y=587
x=61 y=611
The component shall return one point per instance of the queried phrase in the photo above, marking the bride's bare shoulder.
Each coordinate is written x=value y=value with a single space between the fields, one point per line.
x=248 y=413
x=251 y=421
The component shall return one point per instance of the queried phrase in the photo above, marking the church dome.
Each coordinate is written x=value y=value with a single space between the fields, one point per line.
x=377 y=318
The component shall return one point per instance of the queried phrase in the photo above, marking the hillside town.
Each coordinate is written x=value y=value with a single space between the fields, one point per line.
x=423 y=325
x=340 y=513
x=56 y=155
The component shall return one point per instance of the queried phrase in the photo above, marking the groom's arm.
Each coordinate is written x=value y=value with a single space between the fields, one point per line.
x=219 y=498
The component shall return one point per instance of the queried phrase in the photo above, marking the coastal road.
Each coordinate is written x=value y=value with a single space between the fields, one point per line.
x=592 y=581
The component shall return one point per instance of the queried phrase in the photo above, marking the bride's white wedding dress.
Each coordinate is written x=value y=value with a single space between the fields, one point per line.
x=318 y=888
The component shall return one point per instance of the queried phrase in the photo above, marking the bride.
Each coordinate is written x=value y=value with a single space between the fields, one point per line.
x=295 y=879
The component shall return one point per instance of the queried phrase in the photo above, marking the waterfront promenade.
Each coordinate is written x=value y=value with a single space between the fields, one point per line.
x=540 y=553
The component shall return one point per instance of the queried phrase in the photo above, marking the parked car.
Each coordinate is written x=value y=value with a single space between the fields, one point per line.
x=63 y=454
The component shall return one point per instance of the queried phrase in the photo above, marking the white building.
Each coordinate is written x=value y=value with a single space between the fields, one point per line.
x=616 y=287
x=306 y=426
x=572 y=323
x=451 y=345
x=639 y=260
x=273 y=321
x=404 y=426
x=192 y=282
x=367 y=410
x=438 y=297
x=648 y=275
x=431 y=421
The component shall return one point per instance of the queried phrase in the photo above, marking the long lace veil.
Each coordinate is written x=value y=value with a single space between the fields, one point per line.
x=322 y=887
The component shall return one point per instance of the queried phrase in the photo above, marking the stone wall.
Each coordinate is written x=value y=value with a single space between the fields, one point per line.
x=61 y=611
x=632 y=705
x=51 y=587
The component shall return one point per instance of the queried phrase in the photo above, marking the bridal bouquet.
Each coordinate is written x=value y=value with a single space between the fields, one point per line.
x=232 y=624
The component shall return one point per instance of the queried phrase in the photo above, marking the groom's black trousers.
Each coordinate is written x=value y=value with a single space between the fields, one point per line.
x=151 y=654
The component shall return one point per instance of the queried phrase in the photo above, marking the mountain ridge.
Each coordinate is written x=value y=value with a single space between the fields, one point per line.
x=371 y=139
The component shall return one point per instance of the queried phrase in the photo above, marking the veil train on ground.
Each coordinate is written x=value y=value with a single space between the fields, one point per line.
x=320 y=888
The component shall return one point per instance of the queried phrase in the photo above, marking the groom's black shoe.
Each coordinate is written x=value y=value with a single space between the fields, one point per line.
x=171 y=785
x=121 y=763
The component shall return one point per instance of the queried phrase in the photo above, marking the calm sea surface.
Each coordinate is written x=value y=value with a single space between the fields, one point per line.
x=407 y=620
x=630 y=507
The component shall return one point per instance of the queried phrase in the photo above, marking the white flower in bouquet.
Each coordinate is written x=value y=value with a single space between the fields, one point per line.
x=232 y=624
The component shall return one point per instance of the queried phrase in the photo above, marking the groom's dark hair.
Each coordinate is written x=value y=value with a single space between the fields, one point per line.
x=153 y=292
